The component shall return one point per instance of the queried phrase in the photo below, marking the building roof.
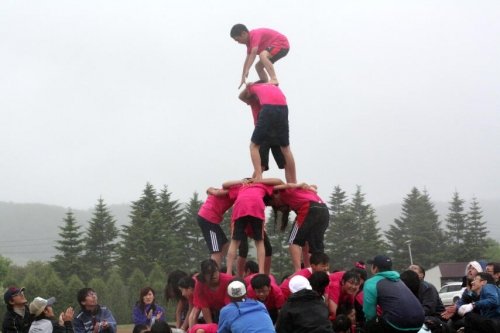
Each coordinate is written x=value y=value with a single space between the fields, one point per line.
x=452 y=269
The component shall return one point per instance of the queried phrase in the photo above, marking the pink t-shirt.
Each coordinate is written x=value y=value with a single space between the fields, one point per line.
x=285 y=285
x=274 y=300
x=204 y=297
x=267 y=94
x=296 y=197
x=250 y=201
x=208 y=328
x=335 y=292
x=214 y=207
x=263 y=38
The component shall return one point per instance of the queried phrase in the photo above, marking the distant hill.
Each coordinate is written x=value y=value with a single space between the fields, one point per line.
x=29 y=231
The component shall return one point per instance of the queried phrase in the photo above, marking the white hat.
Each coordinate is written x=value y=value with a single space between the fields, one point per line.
x=474 y=264
x=299 y=282
x=39 y=304
x=236 y=289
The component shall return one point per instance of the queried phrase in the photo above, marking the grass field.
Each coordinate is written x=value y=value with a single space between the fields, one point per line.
x=125 y=328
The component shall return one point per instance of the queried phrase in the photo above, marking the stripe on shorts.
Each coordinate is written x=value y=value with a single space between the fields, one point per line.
x=215 y=244
x=293 y=233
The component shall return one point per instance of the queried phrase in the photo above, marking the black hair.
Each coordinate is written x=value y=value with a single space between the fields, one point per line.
x=412 y=281
x=82 y=294
x=186 y=282
x=140 y=328
x=251 y=266
x=319 y=281
x=361 y=272
x=351 y=275
x=485 y=276
x=260 y=281
x=144 y=291
x=171 y=290
x=420 y=268
x=319 y=258
x=237 y=30
x=341 y=324
x=496 y=267
x=208 y=267
x=160 y=326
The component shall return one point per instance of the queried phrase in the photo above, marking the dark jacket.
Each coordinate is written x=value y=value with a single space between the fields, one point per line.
x=430 y=300
x=304 y=312
x=14 y=323
x=85 y=321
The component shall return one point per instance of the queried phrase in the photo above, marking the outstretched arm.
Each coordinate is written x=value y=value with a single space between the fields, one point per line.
x=269 y=181
x=216 y=191
x=304 y=186
x=229 y=183
x=248 y=63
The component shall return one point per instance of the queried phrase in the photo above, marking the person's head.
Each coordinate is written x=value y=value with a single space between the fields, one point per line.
x=319 y=281
x=87 y=298
x=419 y=270
x=42 y=308
x=298 y=283
x=236 y=290
x=472 y=269
x=412 y=280
x=251 y=267
x=239 y=33
x=350 y=282
x=146 y=296
x=209 y=273
x=140 y=328
x=320 y=262
x=261 y=284
x=347 y=309
x=14 y=297
x=171 y=289
x=186 y=286
x=160 y=326
x=493 y=268
x=341 y=324
x=380 y=263
x=480 y=280
x=363 y=275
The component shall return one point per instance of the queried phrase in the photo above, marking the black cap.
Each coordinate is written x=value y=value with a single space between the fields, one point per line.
x=382 y=262
x=11 y=292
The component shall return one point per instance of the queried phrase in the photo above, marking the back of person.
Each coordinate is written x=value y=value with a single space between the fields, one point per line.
x=247 y=316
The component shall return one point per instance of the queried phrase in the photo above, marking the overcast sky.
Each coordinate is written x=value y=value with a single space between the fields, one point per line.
x=99 y=97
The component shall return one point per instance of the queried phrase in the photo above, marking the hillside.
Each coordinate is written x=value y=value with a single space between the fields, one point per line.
x=28 y=231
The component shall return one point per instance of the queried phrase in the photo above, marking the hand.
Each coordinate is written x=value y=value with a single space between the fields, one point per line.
x=67 y=315
x=449 y=312
x=158 y=315
x=466 y=308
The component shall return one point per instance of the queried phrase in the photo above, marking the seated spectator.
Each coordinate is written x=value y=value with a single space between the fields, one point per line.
x=17 y=318
x=243 y=315
x=43 y=314
x=427 y=293
x=304 y=311
x=92 y=318
x=146 y=311
x=141 y=328
x=263 y=288
x=493 y=268
x=160 y=326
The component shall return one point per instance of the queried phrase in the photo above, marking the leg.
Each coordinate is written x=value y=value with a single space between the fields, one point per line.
x=255 y=155
x=268 y=250
x=259 y=67
x=306 y=256
x=261 y=255
x=290 y=173
x=240 y=266
x=231 y=255
x=295 y=252
x=217 y=256
x=268 y=66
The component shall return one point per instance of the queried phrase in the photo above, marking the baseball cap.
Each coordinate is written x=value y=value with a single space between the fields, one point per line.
x=11 y=292
x=381 y=261
x=236 y=289
x=39 y=304
x=299 y=282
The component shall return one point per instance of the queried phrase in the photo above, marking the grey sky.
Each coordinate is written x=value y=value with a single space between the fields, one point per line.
x=99 y=97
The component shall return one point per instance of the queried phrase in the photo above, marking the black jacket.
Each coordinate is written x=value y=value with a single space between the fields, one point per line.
x=14 y=323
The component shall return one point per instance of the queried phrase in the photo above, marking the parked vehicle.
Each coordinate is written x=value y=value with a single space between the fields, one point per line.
x=451 y=292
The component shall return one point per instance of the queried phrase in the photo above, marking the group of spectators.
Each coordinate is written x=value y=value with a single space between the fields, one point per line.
x=310 y=300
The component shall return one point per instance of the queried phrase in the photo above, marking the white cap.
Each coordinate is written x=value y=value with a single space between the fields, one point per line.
x=39 y=304
x=299 y=282
x=236 y=289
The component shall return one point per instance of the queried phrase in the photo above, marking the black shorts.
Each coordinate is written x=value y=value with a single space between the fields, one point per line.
x=277 y=154
x=276 y=53
x=213 y=234
x=272 y=126
x=313 y=229
x=240 y=225
x=243 y=249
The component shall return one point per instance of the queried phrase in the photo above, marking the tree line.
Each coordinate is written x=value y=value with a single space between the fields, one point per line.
x=163 y=235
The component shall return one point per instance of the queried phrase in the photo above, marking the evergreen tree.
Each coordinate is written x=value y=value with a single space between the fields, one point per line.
x=70 y=248
x=74 y=284
x=100 y=288
x=54 y=287
x=456 y=224
x=281 y=263
x=135 y=282
x=117 y=297
x=337 y=206
x=192 y=240
x=475 y=244
x=156 y=280
x=100 y=241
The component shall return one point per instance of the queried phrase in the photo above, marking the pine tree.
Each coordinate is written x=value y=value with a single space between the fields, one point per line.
x=100 y=241
x=74 y=284
x=476 y=232
x=281 y=263
x=156 y=280
x=70 y=248
x=117 y=297
x=456 y=228
x=337 y=206
x=135 y=282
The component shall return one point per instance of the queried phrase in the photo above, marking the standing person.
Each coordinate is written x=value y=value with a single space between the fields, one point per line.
x=243 y=315
x=400 y=309
x=17 y=318
x=311 y=223
x=304 y=311
x=92 y=318
x=249 y=212
x=268 y=44
x=43 y=313
x=146 y=311
x=270 y=112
